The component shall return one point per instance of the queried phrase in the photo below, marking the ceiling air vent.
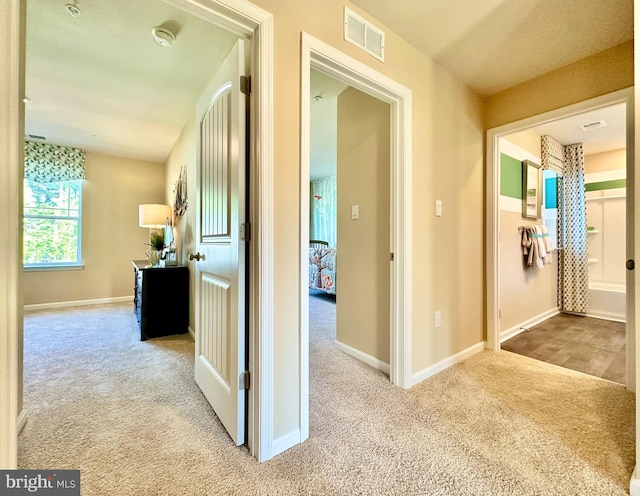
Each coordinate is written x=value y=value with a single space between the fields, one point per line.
x=363 y=34
x=593 y=125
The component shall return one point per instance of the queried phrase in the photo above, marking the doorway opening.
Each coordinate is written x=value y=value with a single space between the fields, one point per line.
x=329 y=61
x=253 y=23
x=524 y=302
x=349 y=218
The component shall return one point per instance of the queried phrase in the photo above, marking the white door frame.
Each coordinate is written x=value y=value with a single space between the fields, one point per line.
x=242 y=18
x=493 y=212
x=323 y=57
x=12 y=41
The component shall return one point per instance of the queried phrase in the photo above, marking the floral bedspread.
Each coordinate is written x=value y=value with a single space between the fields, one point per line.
x=322 y=269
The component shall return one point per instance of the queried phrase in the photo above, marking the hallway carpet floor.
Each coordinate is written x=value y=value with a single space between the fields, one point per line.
x=129 y=416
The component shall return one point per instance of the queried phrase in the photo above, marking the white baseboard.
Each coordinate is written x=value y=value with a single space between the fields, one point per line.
x=192 y=333
x=363 y=357
x=607 y=316
x=285 y=442
x=78 y=303
x=523 y=326
x=634 y=484
x=446 y=363
x=22 y=420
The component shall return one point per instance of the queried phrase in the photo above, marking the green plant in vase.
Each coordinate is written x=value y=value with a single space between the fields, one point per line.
x=156 y=242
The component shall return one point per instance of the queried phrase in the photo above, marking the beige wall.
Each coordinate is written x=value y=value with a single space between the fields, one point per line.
x=111 y=237
x=605 y=161
x=183 y=153
x=525 y=292
x=603 y=73
x=528 y=140
x=362 y=311
x=447 y=158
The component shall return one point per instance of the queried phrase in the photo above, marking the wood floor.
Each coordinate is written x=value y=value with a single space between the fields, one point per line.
x=585 y=344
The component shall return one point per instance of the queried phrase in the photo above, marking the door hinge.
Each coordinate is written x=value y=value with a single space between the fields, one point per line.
x=391 y=256
x=245 y=231
x=245 y=380
x=499 y=313
x=245 y=84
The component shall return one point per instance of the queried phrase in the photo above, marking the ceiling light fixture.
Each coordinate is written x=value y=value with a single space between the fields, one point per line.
x=163 y=36
x=318 y=98
x=73 y=10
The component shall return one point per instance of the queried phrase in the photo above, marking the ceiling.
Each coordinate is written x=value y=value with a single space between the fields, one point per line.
x=610 y=137
x=324 y=124
x=485 y=42
x=99 y=81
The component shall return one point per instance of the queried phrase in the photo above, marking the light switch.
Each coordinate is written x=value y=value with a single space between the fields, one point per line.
x=438 y=208
x=438 y=319
x=355 y=212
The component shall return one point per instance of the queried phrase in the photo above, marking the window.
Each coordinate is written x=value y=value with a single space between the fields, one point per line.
x=52 y=223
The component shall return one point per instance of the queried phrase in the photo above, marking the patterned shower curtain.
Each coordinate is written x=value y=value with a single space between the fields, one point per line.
x=324 y=206
x=573 y=272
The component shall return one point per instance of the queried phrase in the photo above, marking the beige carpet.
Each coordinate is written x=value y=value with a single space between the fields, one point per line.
x=129 y=416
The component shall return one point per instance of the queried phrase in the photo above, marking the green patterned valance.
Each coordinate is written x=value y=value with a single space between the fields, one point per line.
x=45 y=163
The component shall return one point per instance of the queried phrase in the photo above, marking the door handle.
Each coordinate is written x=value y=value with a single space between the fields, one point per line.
x=631 y=264
x=196 y=256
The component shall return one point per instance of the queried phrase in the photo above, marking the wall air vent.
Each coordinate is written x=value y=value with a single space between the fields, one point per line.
x=362 y=33
x=35 y=137
x=593 y=125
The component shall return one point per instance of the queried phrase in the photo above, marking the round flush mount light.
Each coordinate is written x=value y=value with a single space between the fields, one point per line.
x=163 y=36
x=73 y=10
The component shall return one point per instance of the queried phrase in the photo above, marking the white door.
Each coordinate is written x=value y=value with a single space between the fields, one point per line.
x=220 y=257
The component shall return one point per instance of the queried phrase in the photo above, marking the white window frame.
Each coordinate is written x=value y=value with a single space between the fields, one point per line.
x=60 y=265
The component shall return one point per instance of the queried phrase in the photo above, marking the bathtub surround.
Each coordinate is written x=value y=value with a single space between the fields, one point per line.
x=605 y=185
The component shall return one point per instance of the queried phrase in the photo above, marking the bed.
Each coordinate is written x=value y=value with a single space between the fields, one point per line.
x=322 y=267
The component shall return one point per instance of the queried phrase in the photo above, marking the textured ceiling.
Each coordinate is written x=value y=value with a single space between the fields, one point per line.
x=99 y=81
x=494 y=44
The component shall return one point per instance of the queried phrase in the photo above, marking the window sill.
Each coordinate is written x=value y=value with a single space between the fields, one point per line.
x=52 y=267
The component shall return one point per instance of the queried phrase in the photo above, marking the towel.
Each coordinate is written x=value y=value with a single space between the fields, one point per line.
x=542 y=252
x=536 y=246
x=548 y=245
x=530 y=246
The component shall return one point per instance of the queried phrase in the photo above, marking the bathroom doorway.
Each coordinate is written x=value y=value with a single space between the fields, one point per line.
x=524 y=314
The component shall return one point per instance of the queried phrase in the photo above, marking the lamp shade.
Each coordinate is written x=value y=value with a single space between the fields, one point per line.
x=154 y=215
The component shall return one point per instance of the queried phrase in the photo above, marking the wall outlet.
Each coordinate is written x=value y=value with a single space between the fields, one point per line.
x=438 y=319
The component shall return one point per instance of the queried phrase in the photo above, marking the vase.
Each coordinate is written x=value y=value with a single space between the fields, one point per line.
x=153 y=257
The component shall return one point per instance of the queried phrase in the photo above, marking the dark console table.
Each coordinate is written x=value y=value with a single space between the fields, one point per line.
x=161 y=299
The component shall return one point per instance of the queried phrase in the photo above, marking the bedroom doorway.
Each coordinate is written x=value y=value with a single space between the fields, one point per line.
x=323 y=58
x=350 y=219
x=254 y=24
